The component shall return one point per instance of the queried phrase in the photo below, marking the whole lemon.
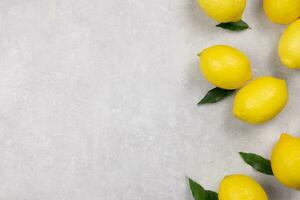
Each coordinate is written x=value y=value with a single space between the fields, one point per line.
x=223 y=10
x=289 y=46
x=282 y=11
x=286 y=161
x=260 y=100
x=225 y=66
x=241 y=187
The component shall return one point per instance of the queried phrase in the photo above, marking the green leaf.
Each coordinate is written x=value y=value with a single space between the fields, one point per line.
x=257 y=162
x=215 y=95
x=234 y=26
x=212 y=195
x=198 y=191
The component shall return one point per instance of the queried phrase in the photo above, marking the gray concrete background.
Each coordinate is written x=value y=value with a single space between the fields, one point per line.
x=98 y=100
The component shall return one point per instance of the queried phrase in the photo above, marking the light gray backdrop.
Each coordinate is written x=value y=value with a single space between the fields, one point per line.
x=98 y=100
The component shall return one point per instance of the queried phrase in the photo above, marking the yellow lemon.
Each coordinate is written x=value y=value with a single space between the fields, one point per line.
x=223 y=10
x=289 y=46
x=241 y=187
x=286 y=161
x=225 y=66
x=282 y=11
x=260 y=100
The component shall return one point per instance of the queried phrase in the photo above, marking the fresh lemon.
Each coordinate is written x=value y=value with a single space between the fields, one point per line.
x=289 y=46
x=225 y=66
x=282 y=11
x=260 y=100
x=286 y=161
x=241 y=187
x=223 y=10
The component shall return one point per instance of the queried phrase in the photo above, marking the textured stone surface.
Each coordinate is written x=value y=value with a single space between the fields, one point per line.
x=98 y=100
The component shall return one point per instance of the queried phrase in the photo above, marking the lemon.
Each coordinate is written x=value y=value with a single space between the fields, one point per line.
x=282 y=11
x=241 y=187
x=286 y=161
x=223 y=10
x=289 y=46
x=260 y=100
x=225 y=66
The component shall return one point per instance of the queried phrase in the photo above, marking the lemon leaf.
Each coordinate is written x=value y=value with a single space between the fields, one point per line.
x=257 y=162
x=212 y=195
x=234 y=26
x=215 y=95
x=199 y=193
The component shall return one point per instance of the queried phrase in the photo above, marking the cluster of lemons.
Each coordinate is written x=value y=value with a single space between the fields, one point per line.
x=285 y=166
x=259 y=100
